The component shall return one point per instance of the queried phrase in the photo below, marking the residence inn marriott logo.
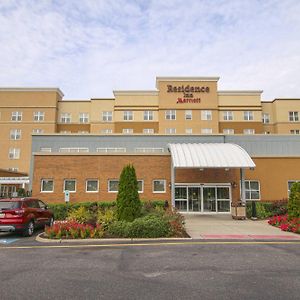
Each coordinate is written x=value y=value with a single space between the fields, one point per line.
x=188 y=92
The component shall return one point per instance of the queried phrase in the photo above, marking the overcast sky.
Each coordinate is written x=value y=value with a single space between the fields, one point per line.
x=88 y=48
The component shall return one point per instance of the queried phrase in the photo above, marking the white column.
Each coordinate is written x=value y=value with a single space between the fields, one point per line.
x=172 y=185
x=243 y=192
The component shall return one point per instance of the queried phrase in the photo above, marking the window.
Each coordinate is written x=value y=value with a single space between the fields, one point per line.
x=127 y=131
x=70 y=185
x=16 y=116
x=92 y=186
x=227 y=115
x=206 y=130
x=65 y=118
x=74 y=149
x=295 y=131
x=83 y=117
x=113 y=185
x=181 y=198
x=107 y=116
x=266 y=118
x=38 y=116
x=149 y=150
x=13 y=169
x=159 y=186
x=170 y=130
x=47 y=185
x=248 y=115
x=228 y=131
x=45 y=149
x=290 y=183
x=106 y=131
x=128 y=115
x=110 y=150
x=140 y=186
x=188 y=130
x=206 y=115
x=249 y=131
x=188 y=115
x=170 y=114
x=293 y=116
x=14 y=153
x=15 y=134
x=65 y=132
x=148 y=130
x=37 y=130
x=252 y=190
x=83 y=132
x=148 y=115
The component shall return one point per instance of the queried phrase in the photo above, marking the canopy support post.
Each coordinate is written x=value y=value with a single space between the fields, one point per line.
x=172 y=185
x=243 y=191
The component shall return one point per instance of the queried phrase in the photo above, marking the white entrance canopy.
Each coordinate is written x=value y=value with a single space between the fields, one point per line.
x=214 y=155
x=14 y=180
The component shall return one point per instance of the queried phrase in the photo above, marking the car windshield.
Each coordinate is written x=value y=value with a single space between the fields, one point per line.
x=4 y=205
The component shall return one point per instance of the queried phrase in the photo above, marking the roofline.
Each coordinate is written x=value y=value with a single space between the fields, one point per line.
x=168 y=78
x=32 y=89
x=136 y=92
x=241 y=92
x=15 y=172
x=280 y=99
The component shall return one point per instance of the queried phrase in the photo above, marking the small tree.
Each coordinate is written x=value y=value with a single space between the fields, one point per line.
x=128 y=200
x=294 y=201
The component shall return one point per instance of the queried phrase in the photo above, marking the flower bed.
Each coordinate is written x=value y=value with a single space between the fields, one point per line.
x=285 y=223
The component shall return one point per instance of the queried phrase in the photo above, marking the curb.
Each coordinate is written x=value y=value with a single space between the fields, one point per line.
x=105 y=240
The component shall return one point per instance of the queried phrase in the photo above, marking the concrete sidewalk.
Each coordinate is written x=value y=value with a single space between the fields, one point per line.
x=224 y=227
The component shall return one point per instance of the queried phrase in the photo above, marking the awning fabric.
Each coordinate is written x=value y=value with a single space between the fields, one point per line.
x=210 y=155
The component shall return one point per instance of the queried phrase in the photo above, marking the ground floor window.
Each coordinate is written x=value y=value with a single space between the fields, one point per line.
x=70 y=185
x=203 y=198
x=7 y=191
x=290 y=183
x=47 y=185
x=252 y=189
x=159 y=186
x=140 y=186
x=113 y=185
x=92 y=186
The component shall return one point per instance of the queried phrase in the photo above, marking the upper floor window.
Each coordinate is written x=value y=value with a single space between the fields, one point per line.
x=107 y=116
x=15 y=134
x=128 y=115
x=127 y=130
x=249 y=131
x=188 y=115
x=37 y=130
x=295 y=131
x=70 y=185
x=293 y=116
x=148 y=130
x=266 y=118
x=92 y=185
x=248 y=115
x=106 y=131
x=14 y=153
x=227 y=115
x=206 y=130
x=110 y=150
x=83 y=117
x=148 y=115
x=252 y=190
x=228 y=131
x=170 y=114
x=170 y=130
x=65 y=118
x=16 y=116
x=206 y=115
x=149 y=150
x=189 y=130
x=45 y=149
x=74 y=149
x=38 y=116
x=47 y=185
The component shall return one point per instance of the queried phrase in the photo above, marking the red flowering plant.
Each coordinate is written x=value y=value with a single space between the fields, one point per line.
x=285 y=223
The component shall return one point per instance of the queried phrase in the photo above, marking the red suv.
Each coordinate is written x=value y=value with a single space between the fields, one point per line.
x=24 y=215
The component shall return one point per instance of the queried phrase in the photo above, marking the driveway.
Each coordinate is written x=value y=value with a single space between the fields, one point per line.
x=224 y=227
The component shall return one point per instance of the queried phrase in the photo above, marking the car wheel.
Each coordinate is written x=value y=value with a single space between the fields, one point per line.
x=51 y=221
x=28 y=231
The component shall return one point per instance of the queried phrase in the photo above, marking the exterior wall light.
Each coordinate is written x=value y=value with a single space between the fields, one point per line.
x=226 y=169
x=201 y=169
x=233 y=184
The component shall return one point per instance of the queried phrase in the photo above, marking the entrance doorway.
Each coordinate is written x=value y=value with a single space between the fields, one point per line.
x=203 y=198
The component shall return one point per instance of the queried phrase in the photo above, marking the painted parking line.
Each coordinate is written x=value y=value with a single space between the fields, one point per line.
x=155 y=244
x=249 y=237
x=7 y=241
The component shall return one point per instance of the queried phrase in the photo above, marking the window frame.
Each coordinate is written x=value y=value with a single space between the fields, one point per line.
x=127 y=131
x=107 y=116
x=248 y=133
x=70 y=179
x=266 y=118
x=250 y=190
x=108 y=185
x=206 y=129
x=228 y=115
x=65 y=118
x=159 y=192
x=18 y=115
x=288 y=188
x=206 y=115
x=248 y=115
x=86 y=185
x=170 y=114
x=170 y=129
x=188 y=115
x=128 y=115
x=15 y=134
x=14 y=151
x=142 y=181
x=41 y=187
x=293 y=116
x=148 y=115
x=39 y=116
x=84 y=117
x=225 y=129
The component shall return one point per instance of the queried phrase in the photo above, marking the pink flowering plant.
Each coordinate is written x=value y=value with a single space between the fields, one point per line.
x=285 y=223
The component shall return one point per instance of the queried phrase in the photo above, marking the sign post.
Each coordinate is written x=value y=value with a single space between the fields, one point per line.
x=67 y=196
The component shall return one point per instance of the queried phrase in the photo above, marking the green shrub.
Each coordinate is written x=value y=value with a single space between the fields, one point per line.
x=106 y=217
x=81 y=215
x=128 y=200
x=118 y=229
x=267 y=209
x=294 y=201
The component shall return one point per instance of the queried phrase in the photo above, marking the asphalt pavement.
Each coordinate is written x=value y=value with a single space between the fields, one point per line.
x=194 y=269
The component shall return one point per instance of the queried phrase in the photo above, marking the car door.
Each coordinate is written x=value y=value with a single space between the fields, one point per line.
x=45 y=213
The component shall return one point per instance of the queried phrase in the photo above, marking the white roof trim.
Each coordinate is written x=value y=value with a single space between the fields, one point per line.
x=14 y=180
x=210 y=155
x=32 y=89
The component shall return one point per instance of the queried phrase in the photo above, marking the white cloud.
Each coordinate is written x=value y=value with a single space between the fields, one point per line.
x=88 y=48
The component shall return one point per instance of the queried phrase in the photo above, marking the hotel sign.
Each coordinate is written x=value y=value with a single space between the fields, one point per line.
x=188 y=92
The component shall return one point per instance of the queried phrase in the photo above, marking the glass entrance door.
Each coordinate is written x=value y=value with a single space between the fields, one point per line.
x=194 y=196
x=209 y=199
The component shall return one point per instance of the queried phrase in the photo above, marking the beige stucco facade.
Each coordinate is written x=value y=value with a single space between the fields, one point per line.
x=178 y=105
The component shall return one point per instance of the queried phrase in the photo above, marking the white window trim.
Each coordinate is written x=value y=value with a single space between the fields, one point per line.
x=66 y=116
x=84 y=118
x=246 y=131
x=14 y=151
x=70 y=179
x=266 y=118
x=17 y=114
x=38 y=114
x=108 y=181
x=170 y=113
x=228 y=115
x=86 y=184
x=42 y=185
x=204 y=115
x=148 y=131
x=294 y=114
x=288 y=190
x=248 y=115
x=127 y=131
x=259 y=190
x=128 y=113
x=107 y=115
x=110 y=150
x=188 y=112
x=167 y=131
x=147 y=114
x=165 y=186
x=142 y=191
x=148 y=150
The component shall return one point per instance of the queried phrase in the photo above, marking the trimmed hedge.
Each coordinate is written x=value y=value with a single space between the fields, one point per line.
x=267 y=209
